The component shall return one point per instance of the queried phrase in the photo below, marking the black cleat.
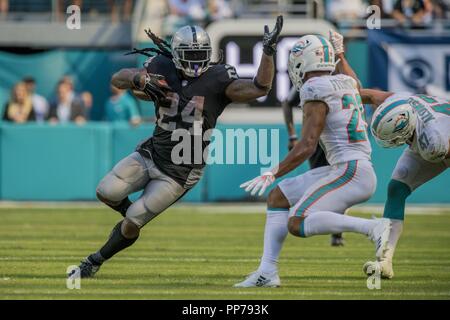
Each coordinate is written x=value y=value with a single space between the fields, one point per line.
x=337 y=240
x=87 y=269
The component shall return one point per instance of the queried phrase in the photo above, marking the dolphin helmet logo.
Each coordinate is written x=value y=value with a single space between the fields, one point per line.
x=401 y=122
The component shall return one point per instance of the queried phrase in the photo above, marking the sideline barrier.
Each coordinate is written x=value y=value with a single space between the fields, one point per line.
x=66 y=162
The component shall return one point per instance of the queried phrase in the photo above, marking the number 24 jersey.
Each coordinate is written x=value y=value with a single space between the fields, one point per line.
x=196 y=103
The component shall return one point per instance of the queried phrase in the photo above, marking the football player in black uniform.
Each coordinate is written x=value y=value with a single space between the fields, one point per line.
x=318 y=158
x=190 y=92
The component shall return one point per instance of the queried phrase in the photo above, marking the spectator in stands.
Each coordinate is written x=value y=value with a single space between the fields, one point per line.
x=345 y=9
x=121 y=106
x=67 y=106
x=88 y=102
x=183 y=12
x=386 y=7
x=19 y=108
x=85 y=96
x=413 y=12
x=441 y=9
x=4 y=8
x=219 y=9
x=115 y=5
x=40 y=104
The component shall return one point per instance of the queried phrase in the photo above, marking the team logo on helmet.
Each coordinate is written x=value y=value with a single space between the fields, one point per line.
x=299 y=47
x=401 y=122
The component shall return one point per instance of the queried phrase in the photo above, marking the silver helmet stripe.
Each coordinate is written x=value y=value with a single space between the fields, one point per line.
x=194 y=34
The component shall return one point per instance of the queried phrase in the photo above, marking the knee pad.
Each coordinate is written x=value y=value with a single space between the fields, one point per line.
x=395 y=204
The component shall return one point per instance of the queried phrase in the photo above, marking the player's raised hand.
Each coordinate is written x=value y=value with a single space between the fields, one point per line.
x=259 y=183
x=270 y=38
x=337 y=40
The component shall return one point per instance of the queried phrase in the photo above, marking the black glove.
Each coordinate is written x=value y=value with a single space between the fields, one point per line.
x=155 y=87
x=270 y=38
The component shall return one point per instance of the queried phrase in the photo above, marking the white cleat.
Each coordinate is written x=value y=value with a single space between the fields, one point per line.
x=384 y=268
x=260 y=279
x=380 y=236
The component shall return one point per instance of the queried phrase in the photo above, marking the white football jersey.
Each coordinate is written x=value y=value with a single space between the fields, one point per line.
x=432 y=136
x=344 y=137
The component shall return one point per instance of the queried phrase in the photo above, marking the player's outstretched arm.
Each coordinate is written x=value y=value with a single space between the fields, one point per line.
x=343 y=67
x=244 y=90
x=374 y=97
x=314 y=115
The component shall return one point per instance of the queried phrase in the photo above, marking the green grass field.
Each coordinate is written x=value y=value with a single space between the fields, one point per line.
x=187 y=253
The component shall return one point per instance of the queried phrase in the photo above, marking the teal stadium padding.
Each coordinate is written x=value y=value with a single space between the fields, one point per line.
x=65 y=162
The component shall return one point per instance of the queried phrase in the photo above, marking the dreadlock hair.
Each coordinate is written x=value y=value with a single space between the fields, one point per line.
x=163 y=48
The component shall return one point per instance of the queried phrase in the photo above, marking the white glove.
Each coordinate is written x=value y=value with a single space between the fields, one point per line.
x=260 y=182
x=337 y=40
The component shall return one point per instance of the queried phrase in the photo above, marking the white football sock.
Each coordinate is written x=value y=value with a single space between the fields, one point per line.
x=396 y=231
x=327 y=222
x=274 y=234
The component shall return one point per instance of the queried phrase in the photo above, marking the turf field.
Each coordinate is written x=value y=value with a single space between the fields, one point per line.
x=188 y=253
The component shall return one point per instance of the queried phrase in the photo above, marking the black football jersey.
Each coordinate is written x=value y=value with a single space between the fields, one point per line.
x=177 y=143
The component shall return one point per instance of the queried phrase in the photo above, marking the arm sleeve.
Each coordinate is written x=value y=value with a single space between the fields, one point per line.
x=226 y=74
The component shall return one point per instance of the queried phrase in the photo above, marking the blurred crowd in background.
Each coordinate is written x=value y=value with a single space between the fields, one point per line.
x=202 y=12
x=68 y=105
x=404 y=12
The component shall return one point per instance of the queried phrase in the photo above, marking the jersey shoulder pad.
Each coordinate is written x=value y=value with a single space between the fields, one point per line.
x=158 y=64
x=315 y=89
x=224 y=72
x=220 y=76
x=432 y=144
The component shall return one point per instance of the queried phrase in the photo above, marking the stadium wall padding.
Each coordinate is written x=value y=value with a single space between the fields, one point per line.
x=65 y=162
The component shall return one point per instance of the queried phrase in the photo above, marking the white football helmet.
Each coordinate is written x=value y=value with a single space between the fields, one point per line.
x=310 y=53
x=393 y=123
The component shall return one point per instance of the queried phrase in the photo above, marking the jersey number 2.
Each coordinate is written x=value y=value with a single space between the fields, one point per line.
x=356 y=127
